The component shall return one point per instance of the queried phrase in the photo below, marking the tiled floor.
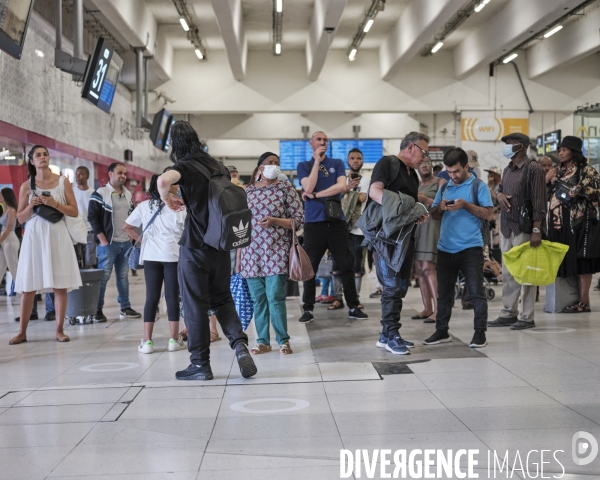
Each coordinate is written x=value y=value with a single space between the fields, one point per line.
x=96 y=409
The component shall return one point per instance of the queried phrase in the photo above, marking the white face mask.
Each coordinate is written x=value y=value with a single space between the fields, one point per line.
x=507 y=150
x=271 y=171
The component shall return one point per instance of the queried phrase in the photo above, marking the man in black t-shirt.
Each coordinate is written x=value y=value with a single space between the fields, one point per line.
x=413 y=151
x=204 y=272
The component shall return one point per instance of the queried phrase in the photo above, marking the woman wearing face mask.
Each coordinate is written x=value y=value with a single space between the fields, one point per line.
x=264 y=263
x=569 y=220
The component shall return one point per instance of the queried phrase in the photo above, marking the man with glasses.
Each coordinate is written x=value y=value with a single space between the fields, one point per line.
x=323 y=180
x=397 y=173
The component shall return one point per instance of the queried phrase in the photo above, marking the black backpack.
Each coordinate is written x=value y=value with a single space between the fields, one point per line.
x=485 y=224
x=229 y=218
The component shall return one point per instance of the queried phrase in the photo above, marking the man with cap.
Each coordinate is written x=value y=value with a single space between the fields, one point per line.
x=521 y=175
x=474 y=162
x=235 y=176
x=494 y=180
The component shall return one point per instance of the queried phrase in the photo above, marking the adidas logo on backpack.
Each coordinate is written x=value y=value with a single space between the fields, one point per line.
x=229 y=218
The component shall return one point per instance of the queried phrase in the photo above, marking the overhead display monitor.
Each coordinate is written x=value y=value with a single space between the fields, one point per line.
x=101 y=76
x=551 y=141
x=372 y=149
x=540 y=144
x=14 y=19
x=161 y=129
x=292 y=152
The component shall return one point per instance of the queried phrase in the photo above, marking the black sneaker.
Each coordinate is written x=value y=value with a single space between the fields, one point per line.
x=247 y=366
x=522 y=325
x=34 y=316
x=306 y=317
x=50 y=316
x=479 y=340
x=502 y=322
x=99 y=317
x=195 y=372
x=357 y=313
x=440 y=336
x=130 y=313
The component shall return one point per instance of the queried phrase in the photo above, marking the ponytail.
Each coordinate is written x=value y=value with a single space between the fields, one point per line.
x=31 y=170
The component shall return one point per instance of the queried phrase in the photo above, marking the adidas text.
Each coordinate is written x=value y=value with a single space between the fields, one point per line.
x=241 y=242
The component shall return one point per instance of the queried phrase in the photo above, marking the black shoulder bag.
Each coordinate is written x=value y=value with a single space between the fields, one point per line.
x=49 y=214
x=526 y=209
x=333 y=208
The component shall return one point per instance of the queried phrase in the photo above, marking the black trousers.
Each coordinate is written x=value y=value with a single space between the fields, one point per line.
x=204 y=277
x=358 y=254
x=394 y=287
x=155 y=273
x=470 y=263
x=332 y=236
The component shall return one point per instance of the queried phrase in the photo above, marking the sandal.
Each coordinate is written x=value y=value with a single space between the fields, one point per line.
x=62 y=338
x=260 y=348
x=579 y=307
x=214 y=337
x=285 y=349
x=336 y=305
x=16 y=340
x=182 y=336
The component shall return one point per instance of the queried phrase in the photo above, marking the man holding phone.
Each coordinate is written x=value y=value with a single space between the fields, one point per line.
x=323 y=180
x=358 y=187
x=461 y=204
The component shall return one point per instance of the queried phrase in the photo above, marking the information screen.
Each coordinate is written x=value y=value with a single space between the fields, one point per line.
x=101 y=76
x=14 y=18
x=292 y=152
x=372 y=149
x=551 y=141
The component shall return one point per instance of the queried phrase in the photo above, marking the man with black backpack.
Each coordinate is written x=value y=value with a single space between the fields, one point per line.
x=463 y=204
x=217 y=221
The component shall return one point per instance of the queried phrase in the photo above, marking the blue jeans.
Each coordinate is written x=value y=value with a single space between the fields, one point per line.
x=49 y=304
x=470 y=263
x=268 y=295
x=109 y=256
x=326 y=286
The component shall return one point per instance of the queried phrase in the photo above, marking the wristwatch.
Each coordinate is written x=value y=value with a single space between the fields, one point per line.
x=536 y=230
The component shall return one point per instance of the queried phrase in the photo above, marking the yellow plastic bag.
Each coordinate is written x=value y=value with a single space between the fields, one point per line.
x=535 y=266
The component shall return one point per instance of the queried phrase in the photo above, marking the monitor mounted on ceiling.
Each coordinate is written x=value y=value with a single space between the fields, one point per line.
x=102 y=75
x=161 y=129
x=14 y=19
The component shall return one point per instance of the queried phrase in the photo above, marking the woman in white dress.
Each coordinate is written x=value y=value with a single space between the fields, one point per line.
x=9 y=243
x=47 y=262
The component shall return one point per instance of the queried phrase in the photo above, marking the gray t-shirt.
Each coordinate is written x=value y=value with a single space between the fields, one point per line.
x=120 y=213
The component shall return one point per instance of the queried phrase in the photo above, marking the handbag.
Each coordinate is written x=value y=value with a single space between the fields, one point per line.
x=588 y=243
x=325 y=267
x=563 y=193
x=77 y=229
x=49 y=214
x=242 y=299
x=349 y=207
x=300 y=268
x=333 y=209
x=133 y=254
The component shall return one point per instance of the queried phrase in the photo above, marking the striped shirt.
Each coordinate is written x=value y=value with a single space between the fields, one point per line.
x=511 y=185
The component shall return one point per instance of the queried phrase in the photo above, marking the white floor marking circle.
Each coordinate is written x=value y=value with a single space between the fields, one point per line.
x=123 y=366
x=552 y=330
x=298 y=405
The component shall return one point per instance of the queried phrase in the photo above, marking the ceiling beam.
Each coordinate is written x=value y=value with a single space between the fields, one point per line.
x=415 y=28
x=574 y=42
x=229 y=18
x=326 y=18
x=511 y=26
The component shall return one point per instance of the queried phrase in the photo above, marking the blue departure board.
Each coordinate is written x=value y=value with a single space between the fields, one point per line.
x=372 y=149
x=292 y=152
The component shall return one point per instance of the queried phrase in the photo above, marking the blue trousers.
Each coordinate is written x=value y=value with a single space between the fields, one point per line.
x=109 y=256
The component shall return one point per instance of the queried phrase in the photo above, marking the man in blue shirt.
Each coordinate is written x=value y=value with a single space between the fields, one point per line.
x=462 y=204
x=323 y=178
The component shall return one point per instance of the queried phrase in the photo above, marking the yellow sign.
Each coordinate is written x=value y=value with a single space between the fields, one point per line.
x=492 y=129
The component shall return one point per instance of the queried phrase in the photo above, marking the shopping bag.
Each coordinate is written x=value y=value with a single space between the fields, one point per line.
x=242 y=299
x=325 y=267
x=535 y=266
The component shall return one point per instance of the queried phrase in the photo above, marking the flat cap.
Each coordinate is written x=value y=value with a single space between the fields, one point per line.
x=519 y=137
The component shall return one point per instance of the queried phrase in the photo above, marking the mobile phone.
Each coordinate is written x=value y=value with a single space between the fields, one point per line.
x=354 y=176
x=46 y=194
x=450 y=202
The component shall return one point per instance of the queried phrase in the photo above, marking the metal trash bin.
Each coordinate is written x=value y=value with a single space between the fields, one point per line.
x=83 y=302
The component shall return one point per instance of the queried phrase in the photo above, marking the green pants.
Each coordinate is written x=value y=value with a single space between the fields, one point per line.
x=268 y=295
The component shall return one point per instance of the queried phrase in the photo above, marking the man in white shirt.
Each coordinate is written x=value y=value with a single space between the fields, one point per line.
x=82 y=196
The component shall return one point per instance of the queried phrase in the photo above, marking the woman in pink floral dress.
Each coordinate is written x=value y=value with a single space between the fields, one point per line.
x=264 y=263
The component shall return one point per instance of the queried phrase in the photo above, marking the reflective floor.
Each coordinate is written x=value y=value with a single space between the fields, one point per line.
x=95 y=408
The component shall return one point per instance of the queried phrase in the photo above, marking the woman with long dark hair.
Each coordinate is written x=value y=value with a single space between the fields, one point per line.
x=204 y=271
x=47 y=262
x=9 y=243
x=159 y=254
x=570 y=220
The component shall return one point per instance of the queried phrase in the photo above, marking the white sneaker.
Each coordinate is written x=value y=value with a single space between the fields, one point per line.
x=146 y=347
x=175 y=345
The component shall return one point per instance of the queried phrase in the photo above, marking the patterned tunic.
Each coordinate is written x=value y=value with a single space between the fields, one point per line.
x=268 y=254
